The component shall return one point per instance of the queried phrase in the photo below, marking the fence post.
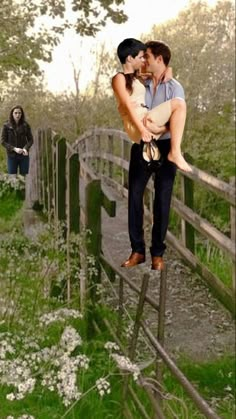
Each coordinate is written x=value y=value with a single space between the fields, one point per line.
x=187 y=230
x=93 y=203
x=60 y=201
x=32 y=193
x=125 y=156
x=160 y=332
x=233 y=234
x=54 y=158
x=49 y=172
x=44 y=171
x=110 y=151
x=97 y=140
x=73 y=194
x=40 y=167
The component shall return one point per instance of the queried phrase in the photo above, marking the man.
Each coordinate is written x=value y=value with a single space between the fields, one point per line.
x=157 y=56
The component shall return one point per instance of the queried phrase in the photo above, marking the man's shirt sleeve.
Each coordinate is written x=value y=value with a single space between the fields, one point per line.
x=174 y=90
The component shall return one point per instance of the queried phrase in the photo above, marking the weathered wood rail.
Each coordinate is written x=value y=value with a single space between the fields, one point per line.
x=57 y=170
x=107 y=151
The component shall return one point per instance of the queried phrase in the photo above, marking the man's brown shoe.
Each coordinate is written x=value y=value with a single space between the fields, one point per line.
x=134 y=259
x=157 y=263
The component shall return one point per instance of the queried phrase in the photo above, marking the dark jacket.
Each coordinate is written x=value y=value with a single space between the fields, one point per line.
x=20 y=136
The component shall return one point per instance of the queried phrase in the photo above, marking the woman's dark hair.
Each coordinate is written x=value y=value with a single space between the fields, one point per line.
x=160 y=48
x=129 y=46
x=129 y=78
x=22 y=118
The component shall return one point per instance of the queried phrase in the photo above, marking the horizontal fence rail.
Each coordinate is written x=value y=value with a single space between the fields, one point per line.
x=108 y=151
x=66 y=180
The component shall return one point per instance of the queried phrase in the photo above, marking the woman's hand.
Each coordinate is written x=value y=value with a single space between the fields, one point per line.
x=18 y=150
x=25 y=152
x=167 y=75
x=146 y=135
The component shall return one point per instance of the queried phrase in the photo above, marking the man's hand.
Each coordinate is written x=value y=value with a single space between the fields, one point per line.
x=25 y=152
x=18 y=150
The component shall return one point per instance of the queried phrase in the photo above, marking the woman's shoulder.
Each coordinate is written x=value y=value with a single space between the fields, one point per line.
x=7 y=124
x=118 y=75
x=25 y=125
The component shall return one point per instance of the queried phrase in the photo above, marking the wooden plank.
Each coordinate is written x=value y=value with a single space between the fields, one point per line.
x=93 y=224
x=204 y=227
x=187 y=188
x=214 y=283
x=61 y=179
x=233 y=235
x=210 y=182
x=108 y=202
x=110 y=151
x=221 y=188
x=44 y=173
x=73 y=193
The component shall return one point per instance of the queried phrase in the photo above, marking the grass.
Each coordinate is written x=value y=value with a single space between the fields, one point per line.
x=28 y=270
x=215 y=380
x=11 y=203
x=218 y=263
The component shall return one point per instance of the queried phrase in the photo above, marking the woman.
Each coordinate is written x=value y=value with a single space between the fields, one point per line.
x=17 y=138
x=139 y=123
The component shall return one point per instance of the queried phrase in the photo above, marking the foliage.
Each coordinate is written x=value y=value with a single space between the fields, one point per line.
x=9 y=183
x=202 y=41
x=215 y=379
x=12 y=191
x=36 y=26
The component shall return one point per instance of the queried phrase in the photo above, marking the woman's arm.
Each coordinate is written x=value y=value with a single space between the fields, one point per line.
x=4 y=139
x=29 y=137
x=119 y=88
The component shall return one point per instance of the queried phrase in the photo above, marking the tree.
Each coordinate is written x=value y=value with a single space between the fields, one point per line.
x=202 y=40
x=25 y=38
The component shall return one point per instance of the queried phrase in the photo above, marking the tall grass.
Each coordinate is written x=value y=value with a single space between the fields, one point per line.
x=46 y=358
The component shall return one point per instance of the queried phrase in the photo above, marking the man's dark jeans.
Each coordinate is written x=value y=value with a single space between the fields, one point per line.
x=139 y=174
x=18 y=161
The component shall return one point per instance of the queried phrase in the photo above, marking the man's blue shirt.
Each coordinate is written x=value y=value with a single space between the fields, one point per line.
x=164 y=91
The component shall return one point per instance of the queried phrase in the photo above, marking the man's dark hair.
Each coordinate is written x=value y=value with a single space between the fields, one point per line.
x=160 y=48
x=129 y=46
x=22 y=118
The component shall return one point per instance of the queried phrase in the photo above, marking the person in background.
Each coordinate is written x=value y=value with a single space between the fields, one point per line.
x=17 y=138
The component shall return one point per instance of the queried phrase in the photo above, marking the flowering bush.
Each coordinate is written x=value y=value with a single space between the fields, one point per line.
x=9 y=183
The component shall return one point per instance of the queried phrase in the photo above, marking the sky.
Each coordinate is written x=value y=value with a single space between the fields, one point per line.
x=142 y=15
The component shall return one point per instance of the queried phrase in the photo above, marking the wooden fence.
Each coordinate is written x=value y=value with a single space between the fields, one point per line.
x=107 y=152
x=58 y=170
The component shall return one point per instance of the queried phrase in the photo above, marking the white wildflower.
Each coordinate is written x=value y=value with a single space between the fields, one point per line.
x=10 y=396
x=111 y=346
x=70 y=339
x=59 y=315
x=125 y=364
x=82 y=361
x=103 y=386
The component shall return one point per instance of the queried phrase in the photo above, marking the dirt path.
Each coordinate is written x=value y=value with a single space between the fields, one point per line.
x=197 y=325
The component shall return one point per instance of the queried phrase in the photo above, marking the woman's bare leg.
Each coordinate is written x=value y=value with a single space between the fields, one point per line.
x=177 y=123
